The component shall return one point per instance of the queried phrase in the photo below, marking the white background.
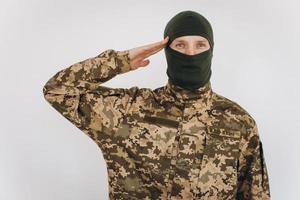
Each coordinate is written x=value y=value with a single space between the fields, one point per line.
x=43 y=156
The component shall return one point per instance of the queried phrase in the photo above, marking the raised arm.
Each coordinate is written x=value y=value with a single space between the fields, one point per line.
x=76 y=92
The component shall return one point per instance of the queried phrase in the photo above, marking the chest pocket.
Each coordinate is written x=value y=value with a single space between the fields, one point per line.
x=218 y=174
x=148 y=138
x=149 y=141
x=161 y=121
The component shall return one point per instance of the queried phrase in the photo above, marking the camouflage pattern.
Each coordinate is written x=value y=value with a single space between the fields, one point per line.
x=166 y=143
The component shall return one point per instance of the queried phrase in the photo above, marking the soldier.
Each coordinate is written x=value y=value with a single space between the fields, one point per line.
x=179 y=141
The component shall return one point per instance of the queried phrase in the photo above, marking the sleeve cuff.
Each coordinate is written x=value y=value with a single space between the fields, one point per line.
x=123 y=61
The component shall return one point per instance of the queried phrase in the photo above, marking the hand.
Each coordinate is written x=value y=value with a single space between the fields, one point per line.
x=139 y=54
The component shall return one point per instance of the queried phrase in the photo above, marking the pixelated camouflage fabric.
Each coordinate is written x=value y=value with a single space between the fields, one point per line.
x=163 y=143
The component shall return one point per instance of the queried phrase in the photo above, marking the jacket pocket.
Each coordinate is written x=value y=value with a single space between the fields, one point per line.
x=161 y=121
x=218 y=174
x=147 y=138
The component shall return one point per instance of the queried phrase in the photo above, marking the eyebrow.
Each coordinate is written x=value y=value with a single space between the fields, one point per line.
x=185 y=41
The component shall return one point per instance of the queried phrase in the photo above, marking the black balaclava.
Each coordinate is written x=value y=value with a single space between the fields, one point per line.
x=188 y=71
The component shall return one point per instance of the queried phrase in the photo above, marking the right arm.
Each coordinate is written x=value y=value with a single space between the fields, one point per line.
x=76 y=93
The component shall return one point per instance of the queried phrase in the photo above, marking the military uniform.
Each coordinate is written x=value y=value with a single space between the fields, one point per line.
x=166 y=143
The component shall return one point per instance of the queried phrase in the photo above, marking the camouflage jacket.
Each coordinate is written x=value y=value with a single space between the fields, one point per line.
x=163 y=143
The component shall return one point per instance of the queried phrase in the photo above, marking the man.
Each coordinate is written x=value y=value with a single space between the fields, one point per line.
x=178 y=141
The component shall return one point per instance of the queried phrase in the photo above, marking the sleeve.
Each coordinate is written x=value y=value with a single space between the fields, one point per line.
x=253 y=181
x=77 y=94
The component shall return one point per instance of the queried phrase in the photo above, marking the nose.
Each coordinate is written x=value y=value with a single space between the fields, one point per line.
x=190 y=51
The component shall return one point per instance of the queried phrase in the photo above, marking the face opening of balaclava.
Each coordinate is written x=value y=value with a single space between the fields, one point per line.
x=188 y=71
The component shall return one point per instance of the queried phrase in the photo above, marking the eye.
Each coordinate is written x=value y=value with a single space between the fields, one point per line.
x=201 y=45
x=179 y=45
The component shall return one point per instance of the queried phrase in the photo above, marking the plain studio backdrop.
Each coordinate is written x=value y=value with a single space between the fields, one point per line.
x=43 y=156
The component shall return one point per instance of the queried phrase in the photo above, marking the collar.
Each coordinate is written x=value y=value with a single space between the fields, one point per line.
x=176 y=94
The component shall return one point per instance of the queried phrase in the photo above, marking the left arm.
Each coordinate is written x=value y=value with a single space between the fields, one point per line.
x=253 y=181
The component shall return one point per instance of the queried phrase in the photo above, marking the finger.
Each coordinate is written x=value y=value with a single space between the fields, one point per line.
x=150 y=50
x=156 y=45
x=144 y=63
x=154 y=51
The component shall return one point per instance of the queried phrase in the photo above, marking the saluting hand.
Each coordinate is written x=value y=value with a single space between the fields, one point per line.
x=139 y=54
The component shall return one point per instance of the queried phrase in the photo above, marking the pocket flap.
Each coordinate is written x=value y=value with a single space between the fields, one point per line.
x=161 y=120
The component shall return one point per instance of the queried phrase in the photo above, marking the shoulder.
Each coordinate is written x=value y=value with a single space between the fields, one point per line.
x=233 y=111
